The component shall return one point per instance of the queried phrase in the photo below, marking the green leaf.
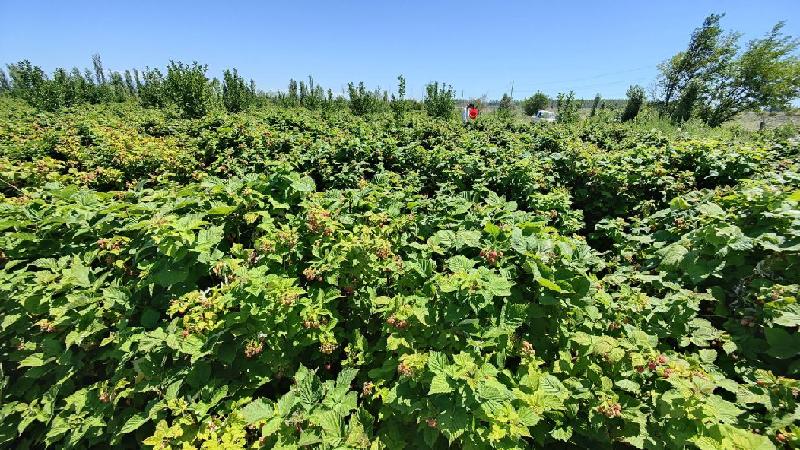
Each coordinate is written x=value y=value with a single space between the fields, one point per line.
x=437 y=362
x=78 y=274
x=679 y=203
x=133 y=423
x=308 y=437
x=468 y=238
x=707 y=355
x=460 y=263
x=549 y=284
x=304 y=184
x=672 y=255
x=346 y=376
x=209 y=238
x=171 y=275
x=789 y=317
x=34 y=360
x=149 y=318
x=628 y=385
x=331 y=424
x=440 y=385
x=563 y=434
x=256 y=410
x=220 y=209
x=711 y=210
x=782 y=344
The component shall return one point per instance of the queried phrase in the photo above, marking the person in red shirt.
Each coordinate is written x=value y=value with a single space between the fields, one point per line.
x=472 y=111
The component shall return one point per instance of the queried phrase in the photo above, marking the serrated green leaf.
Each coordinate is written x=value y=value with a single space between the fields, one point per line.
x=256 y=411
x=440 y=385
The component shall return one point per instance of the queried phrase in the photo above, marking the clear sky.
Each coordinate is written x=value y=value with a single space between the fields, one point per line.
x=480 y=47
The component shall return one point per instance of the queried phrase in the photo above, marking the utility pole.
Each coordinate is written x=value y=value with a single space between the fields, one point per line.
x=512 y=90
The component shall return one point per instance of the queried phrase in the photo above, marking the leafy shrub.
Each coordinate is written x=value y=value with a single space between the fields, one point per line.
x=635 y=101
x=399 y=103
x=285 y=278
x=595 y=104
x=151 y=89
x=236 y=95
x=188 y=88
x=440 y=100
x=362 y=100
x=505 y=109
x=567 y=106
x=535 y=103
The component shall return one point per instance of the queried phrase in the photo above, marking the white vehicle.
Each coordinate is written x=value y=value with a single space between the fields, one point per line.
x=544 y=116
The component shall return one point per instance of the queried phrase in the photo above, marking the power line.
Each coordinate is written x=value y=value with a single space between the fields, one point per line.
x=594 y=77
x=583 y=86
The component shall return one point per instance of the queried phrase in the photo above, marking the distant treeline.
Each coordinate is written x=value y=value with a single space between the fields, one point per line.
x=712 y=81
x=613 y=103
x=187 y=88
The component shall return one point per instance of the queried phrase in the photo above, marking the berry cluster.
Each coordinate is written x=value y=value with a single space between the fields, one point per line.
x=491 y=256
x=405 y=370
x=288 y=298
x=748 y=321
x=316 y=221
x=526 y=348
x=310 y=324
x=327 y=347
x=611 y=410
x=253 y=349
x=108 y=244
x=400 y=324
x=367 y=388
x=311 y=274
x=46 y=326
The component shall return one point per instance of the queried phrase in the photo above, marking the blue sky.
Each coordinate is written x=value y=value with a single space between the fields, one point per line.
x=480 y=47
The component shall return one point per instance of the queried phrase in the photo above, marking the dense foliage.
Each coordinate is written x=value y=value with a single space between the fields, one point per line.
x=567 y=106
x=286 y=278
x=713 y=80
x=535 y=103
x=633 y=106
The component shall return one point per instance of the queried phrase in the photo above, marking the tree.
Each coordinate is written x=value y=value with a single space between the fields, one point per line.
x=27 y=81
x=635 y=100
x=118 y=91
x=151 y=88
x=506 y=107
x=188 y=87
x=713 y=80
x=293 y=97
x=594 y=105
x=99 y=73
x=766 y=75
x=709 y=52
x=5 y=85
x=685 y=106
x=236 y=95
x=567 y=107
x=312 y=96
x=129 y=83
x=398 y=104
x=362 y=100
x=535 y=103
x=440 y=100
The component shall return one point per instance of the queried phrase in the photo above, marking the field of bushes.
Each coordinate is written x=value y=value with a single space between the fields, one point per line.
x=286 y=278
